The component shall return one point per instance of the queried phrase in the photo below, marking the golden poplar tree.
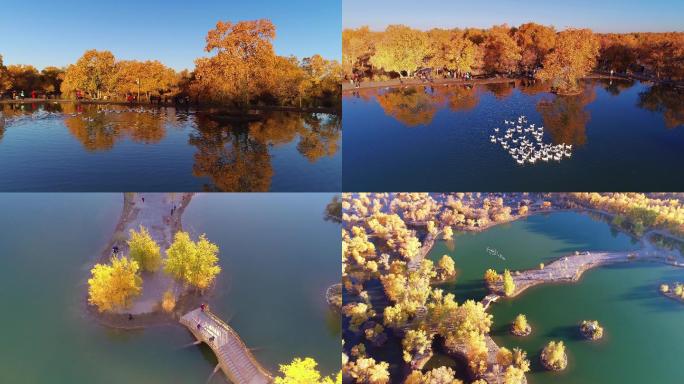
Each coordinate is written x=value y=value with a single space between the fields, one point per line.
x=113 y=286
x=573 y=58
x=194 y=263
x=144 y=250
x=400 y=49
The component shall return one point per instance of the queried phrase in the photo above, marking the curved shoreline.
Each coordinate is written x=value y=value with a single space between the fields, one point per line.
x=578 y=263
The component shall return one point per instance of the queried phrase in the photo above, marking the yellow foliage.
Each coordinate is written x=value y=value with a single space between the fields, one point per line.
x=144 y=250
x=195 y=263
x=508 y=283
x=302 y=371
x=113 y=286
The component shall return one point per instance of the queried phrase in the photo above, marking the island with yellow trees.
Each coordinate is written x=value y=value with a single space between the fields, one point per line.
x=402 y=323
x=152 y=273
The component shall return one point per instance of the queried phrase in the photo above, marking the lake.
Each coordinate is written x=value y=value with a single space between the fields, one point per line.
x=104 y=148
x=277 y=253
x=625 y=136
x=642 y=327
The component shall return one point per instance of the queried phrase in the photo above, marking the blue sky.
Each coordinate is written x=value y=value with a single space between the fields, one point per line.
x=43 y=33
x=599 y=15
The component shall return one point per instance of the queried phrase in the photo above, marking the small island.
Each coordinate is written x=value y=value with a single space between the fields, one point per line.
x=520 y=326
x=553 y=356
x=591 y=329
x=676 y=291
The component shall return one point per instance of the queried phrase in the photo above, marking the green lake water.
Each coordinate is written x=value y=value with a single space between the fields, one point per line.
x=643 y=341
x=48 y=243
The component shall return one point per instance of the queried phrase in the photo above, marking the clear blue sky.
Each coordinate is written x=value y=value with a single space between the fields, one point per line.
x=43 y=33
x=599 y=15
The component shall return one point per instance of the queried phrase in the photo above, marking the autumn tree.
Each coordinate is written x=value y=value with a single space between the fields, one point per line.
x=514 y=375
x=93 y=73
x=194 y=263
x=439 y=375
x=553 y=356
x=24 y=77
x=446 y=268
x=5 y=82
x=240 y=69
x=400 y=49
x=357 y=48
x=113 y=286
x=321 y=80
x=148 y=77
x=573 y=57
x=535 y=42
x=502 y=54
x=662 y=55
x=415 y=343
x=144 y=250
x=450 y=50
x=508 y=283
x=520 y=326
x=368 y=371
x=51 y=79
x=302 y=371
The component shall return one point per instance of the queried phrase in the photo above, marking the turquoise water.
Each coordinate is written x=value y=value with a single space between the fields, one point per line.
x=49 y=241
x=643 y=339
x=523 y=244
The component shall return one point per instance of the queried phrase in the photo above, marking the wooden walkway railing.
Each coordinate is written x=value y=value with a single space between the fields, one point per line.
x=235 y=359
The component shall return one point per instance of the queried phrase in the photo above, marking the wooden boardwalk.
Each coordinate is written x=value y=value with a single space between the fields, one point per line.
x=235 y=359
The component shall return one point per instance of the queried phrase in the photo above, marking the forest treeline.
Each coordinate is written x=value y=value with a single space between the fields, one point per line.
x=242 y=69
x=530 y=49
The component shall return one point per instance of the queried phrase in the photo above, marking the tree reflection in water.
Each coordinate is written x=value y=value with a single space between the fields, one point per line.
x=98 y=128
x=500 y=90
x=412 y=106
x=565 y=117
x=461 y=98
x=235 y=154
x=615 y=87
x=230 y=156
x=667 y=100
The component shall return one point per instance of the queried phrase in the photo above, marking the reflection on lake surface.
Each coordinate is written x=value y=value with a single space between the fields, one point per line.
x=626 y=135
x=74 y=147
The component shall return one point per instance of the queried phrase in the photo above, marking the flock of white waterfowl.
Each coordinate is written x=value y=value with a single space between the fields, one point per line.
x=525 y=143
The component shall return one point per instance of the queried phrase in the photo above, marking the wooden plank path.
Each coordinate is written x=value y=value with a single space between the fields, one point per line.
x=235 y=359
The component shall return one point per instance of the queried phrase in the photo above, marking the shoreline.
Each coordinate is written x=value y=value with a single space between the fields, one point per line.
x=348 y=87
x=265 y=108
